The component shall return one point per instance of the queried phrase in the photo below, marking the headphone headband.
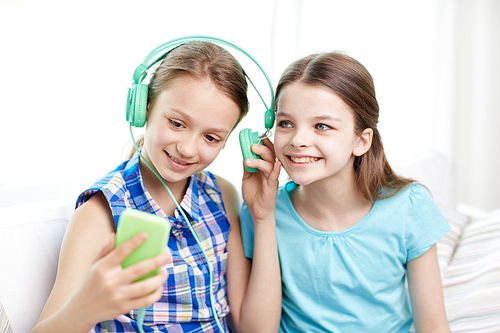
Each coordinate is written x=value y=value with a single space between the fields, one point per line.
x=137 y=102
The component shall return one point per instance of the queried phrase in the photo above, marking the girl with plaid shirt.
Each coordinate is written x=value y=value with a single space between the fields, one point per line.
x=196 y=98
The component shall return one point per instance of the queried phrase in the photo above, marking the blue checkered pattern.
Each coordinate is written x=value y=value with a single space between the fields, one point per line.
x=185 y=304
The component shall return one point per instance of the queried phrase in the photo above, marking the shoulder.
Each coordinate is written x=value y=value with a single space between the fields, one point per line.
x=112 y=185
x=92 y=222
x=412 y=195
x=418 y=193
x=212 y=183
x=422 y=221
x=413 y=206
x=229 y=195
x=95 y=208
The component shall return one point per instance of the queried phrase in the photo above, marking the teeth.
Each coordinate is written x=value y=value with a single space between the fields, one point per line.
x=173 y=159
x=304 y=159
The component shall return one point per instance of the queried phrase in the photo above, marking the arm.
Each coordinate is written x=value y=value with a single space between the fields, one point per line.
x=254 y=287
x=90 y=285
x=426 y=292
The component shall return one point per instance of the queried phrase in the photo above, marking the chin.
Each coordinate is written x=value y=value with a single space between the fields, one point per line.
x=302 y=180
x=303 y=183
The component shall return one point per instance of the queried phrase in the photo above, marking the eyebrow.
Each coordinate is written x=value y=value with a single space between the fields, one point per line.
x=327 y=117
x=217 y=130
x=317 y=118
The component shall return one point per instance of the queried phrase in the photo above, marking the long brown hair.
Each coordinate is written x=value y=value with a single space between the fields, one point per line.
x=200 y=59
x=351 y=81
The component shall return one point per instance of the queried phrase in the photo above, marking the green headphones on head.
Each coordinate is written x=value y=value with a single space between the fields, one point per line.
x=137 y=98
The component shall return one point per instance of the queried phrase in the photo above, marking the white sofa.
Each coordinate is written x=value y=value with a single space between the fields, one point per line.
x=33 y=220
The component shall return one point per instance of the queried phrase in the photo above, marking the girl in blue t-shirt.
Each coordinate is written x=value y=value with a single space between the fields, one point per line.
x=350 y=232
x=196 y=97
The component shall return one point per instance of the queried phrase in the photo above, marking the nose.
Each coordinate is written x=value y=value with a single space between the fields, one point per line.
x=300 y=139
x=187 y=147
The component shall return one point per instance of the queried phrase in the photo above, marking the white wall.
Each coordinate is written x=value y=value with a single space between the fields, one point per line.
x=477 y=102
x=65 y=67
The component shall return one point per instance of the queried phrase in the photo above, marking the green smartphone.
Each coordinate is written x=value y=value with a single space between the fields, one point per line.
x=131 y=223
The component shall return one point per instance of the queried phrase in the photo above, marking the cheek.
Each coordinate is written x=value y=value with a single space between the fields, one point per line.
x=209 y=154
x=154 y=133
x=279 y=143
x=155 y=141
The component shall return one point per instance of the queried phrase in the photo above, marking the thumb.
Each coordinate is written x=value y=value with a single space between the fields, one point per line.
x=108 y=247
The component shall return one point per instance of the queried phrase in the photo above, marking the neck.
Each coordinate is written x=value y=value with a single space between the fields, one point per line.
x=158 y=191
x=331 y=205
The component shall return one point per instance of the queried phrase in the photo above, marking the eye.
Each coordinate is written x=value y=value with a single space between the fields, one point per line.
x=322 y=127
x=284 y=124
x=176 y=124
x=212 y=139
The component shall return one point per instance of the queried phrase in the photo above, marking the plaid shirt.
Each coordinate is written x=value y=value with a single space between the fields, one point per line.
x=185 y=304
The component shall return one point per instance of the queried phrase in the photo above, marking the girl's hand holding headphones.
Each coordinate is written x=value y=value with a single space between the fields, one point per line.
x=108 y=290
x=260 y=188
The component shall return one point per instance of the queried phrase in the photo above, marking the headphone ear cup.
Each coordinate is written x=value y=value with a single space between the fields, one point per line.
x=247 y=139
x=140 y=103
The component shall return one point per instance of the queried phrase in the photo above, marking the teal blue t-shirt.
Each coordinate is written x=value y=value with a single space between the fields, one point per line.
x=353 y=280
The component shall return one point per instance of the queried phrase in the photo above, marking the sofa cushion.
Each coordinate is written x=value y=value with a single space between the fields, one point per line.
x=447 y=245
x=4 y=321
x=471 y=288
x=30 y=239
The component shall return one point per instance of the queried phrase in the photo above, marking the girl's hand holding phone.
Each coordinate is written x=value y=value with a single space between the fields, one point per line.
x=109 y=290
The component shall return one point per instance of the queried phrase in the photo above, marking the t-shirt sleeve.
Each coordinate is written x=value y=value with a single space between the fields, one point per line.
x=247 y=230
x=425 y=224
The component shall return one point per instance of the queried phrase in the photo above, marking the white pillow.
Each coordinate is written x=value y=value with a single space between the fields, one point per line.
x=434 y=170
x=30 y=239
x=472 y=279
x=447 y=245
x=4 y=321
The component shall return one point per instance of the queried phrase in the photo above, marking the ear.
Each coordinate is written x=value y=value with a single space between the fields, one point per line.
x=363 y=142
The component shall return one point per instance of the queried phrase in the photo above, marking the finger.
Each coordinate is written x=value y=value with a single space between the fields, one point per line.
x=119 y=254
x=146 y=300
x=144 y=267
x=248 y=174
x=145 y=287
x=264 y=152
x=268 y=144
x=264 y=166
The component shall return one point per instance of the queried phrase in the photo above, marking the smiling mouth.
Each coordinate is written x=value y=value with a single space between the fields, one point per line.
x=303 y=160
x=180 y=162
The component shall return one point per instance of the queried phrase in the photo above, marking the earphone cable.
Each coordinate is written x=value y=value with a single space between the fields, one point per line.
x=195 y=235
